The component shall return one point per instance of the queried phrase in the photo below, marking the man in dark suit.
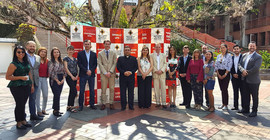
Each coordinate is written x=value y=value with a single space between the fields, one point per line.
x=236 y=75
x=250 y=66
x=127 y=66
x=182 y=68
x=87 y=62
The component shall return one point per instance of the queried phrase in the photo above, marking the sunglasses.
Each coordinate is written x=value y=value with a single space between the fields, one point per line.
x=19 y=52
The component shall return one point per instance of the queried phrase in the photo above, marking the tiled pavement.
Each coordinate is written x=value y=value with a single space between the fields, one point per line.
x=139 y=124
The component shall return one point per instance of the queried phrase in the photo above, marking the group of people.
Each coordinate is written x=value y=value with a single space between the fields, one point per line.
x=29 y=73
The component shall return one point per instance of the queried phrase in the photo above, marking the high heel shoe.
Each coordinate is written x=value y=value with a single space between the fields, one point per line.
x=212 y=109
x=220 y=107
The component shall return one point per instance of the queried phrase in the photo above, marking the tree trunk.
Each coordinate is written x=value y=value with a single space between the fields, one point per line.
x=243 y=42
x=91 y=16
x=227 y=27
x=118 y=13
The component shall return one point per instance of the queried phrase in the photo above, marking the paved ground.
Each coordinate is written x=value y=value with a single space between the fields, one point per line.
x=149 y=124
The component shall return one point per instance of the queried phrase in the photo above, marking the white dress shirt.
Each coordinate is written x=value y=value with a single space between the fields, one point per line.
x=158 y=61
x=88 y=58
x=236 y=60
x=248 y=57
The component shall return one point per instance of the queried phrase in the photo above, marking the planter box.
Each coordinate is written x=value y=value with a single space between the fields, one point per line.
x=265 y=74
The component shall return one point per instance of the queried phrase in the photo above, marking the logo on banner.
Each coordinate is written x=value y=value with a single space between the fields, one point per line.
x=76 y=34
x=130 y=37
x=157 y=36
x=102 y=36
x=117 y=47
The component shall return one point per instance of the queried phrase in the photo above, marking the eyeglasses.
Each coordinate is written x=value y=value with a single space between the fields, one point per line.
x=19 y=52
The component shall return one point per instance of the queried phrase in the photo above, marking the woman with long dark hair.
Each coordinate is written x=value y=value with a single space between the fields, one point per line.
x=43 y=82
x=223 y=66
x=57 y=76
x=209 y=79
x=171 y=75
x=144 y=76
x=21 y=85
x=195 y=77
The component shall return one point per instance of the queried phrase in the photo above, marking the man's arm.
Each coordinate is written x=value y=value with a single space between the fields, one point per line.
x=100 y=65
x=82 y=68
x=113 y=62
x=240 y=67
x=93 y=69
x=164 y=64
x=256 y=67
x=119 y=66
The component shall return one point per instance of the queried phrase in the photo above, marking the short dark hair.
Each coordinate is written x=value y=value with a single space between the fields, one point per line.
x=127 y=47
x=236 y=46
x=86 y=41
x=106 y=41
x=70 y=48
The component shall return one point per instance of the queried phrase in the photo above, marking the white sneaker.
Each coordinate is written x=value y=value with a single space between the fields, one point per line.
x=225 y=108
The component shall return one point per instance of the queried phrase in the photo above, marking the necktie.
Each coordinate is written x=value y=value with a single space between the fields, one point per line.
x=107 y=54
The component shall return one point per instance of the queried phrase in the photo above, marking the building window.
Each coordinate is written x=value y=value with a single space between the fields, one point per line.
x=262 y=39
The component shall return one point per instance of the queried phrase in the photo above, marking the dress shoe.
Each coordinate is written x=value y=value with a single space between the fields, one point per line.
x=40 y=114
x=131 y=108
x=220 y=107
x=158 y=105
x=44 y=113
x=164 y=106
x=27 y=125
x=112 y=107
x=225 y=108
x=123 y=109
x=234 y=108
x=93 y=107
x=80 y=108
x=188 y=107
x=57 y=113
x=253 y=114
x=182 y=104
x=35 y=117
x=22 y=127
x=243 y=111
x=102 y=107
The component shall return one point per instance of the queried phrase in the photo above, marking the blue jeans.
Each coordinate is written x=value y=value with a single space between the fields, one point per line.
x=32 y=102
x=91 y=83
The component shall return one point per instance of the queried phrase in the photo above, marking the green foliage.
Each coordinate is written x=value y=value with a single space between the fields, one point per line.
x=266 y=59
x=179 y=44
x=123 y=21
x=25 y=33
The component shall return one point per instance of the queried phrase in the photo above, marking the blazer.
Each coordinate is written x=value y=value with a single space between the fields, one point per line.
x=233 y=65
x=162 y=65
x=127 y=64
x=181 y=67
x=35 y=70
x=83 y=63
x=107 y=65
x=253 y=68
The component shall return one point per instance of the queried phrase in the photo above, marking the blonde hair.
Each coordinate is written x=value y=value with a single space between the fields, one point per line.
x=41 y=49
x=196 y=51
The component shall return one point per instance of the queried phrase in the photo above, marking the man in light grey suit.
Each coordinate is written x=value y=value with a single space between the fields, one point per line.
x=106 y=61
x=34 y=61
x=249 y=66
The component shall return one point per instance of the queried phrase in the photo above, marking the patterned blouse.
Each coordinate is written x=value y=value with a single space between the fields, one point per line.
x=55 y=69
x=224 y=62
x=145 y=66
x=209 y=70
x=72 y=65
x=172 y=65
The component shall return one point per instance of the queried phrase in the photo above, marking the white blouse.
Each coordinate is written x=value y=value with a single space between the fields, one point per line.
x=224 y=62
x=145 y=66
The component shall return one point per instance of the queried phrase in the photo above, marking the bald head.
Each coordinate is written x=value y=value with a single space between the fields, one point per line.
x=204 y=49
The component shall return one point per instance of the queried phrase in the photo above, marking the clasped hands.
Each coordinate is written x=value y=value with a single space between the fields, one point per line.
x=127 y=73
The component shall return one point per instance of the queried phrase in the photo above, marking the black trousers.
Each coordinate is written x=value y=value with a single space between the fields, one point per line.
x=236 y=84
x=20 y=95
x=56 y=90
x=72 y=90
x=186 y=91
x=248 y=89
x=144 y=91
x=127 y=83
x=223 y=84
